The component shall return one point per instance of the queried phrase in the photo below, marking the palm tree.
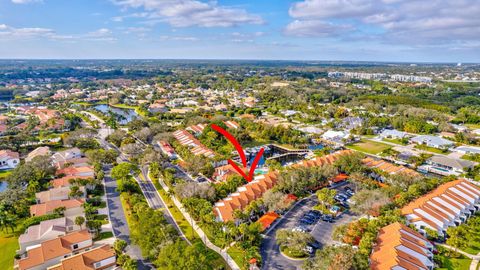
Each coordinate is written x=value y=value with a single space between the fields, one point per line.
x=79 y=221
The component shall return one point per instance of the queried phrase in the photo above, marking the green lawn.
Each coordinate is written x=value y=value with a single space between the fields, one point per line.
x=451 y=261
x=431 y=149
x=104 y=235
x=4 y=174
x=370 y=147
x=238 y=255
x=8 y=246
x=395 y=141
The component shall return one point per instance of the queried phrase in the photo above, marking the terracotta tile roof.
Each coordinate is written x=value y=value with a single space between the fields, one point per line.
x=48 y=207
x=388 y=167
x=267 y=219
x=51 y=249
x=65 y=181
x=443 y=204
x=256 y=188
x=398 y=245
x=77 y=171
x=87 y=260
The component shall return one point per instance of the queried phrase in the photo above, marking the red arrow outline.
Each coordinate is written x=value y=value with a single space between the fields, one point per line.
x=240 y=151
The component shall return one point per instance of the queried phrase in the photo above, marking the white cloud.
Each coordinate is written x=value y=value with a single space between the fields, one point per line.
x=185 y=13
x=410 y=21
x=179 y=38
x=315 y=28
x=9 y=32
x=25 y=1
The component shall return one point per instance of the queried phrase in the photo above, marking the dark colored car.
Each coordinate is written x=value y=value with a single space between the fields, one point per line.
x=306 y=221
x=327 y=218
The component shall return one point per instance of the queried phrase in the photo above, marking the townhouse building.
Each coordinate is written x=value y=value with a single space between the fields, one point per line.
x=448 y=205
x=398 y=247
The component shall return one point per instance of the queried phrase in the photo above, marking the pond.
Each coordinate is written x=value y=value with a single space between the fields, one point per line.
x=124 y=115
x=3 y=186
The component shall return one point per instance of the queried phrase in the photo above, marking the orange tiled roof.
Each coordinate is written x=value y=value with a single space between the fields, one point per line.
x=48 y=207
x=256 y=188
x=51 y=249
x=65 y=181
x=439 y=191
x=386 y=255
x=267 y=219
x=86 y=260
x=387 y=167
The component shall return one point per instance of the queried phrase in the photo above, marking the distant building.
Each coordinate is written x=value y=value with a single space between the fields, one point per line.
x=335 y=136
x=167 y=149
x=9 y=159
x=432 y=141
x=466 y=149
x=399 y=247
x=448 y=166
x=66 y=155
x=393 y=134
x=39 y=151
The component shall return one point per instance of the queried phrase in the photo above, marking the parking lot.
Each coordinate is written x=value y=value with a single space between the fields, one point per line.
x=320 y=230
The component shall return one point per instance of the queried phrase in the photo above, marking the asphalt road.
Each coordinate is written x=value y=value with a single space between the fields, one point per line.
x=321 y=231
x=119 y=221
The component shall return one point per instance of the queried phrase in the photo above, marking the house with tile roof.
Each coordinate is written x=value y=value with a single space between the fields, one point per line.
x=399 y=247
x=9 y=159
x=39 y=151
x=51 y=252
x=255 y=189
x=60 y=193
x=100 y=258
x=66 y=155
x=73 y=208
x=65 y=181
x=448 y=205
x=387 y=168
x=196 y=147
x=46 y=230
x=82 y=171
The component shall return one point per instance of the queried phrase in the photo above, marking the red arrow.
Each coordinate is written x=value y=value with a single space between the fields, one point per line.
x=240 y=151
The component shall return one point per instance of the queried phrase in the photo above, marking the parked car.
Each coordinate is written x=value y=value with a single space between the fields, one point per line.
x=315 y=244
x=306 y=221
x=327 y=218
x=309 y=249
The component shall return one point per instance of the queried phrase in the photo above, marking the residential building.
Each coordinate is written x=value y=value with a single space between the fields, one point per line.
x=335 y=136
x=65 y=181
x=223 y=172
x=448 y=205
x=85 y=171
x=51 y=252
x=444 y=165
x=74 y=162
x=387 y=167
x=433 y=141
x=167 y=149
x=39 y=151
x=187 y=139
x=73 y=208
x=466 y=149
x=399 y=247
x=9 y=160
x=46 y=230
x=255 y=189
x=100 y=258
x=60 y=193
x=66 y=155
x=393 y=134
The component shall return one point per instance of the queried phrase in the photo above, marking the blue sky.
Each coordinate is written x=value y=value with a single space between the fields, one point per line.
x=366 y=30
